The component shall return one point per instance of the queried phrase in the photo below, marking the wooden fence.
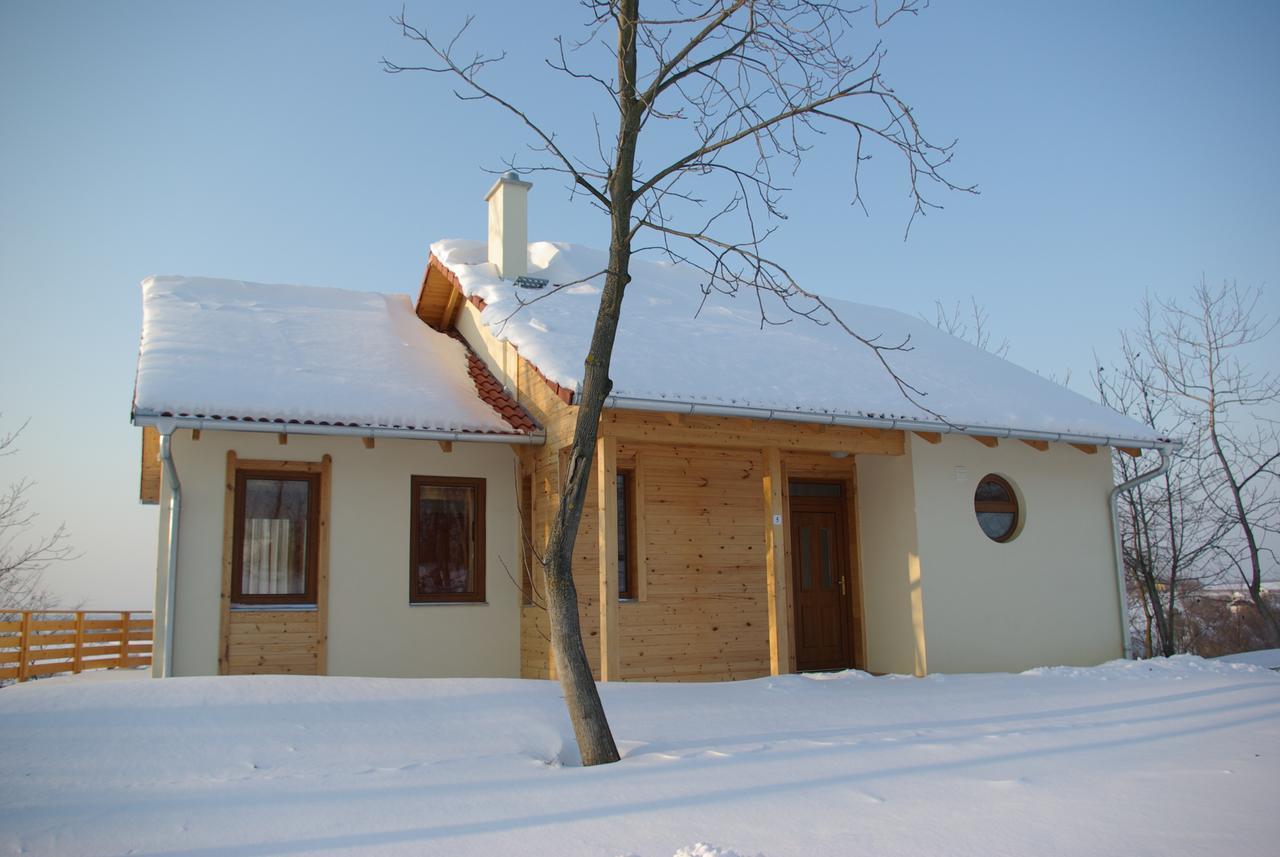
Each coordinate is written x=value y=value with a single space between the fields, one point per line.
x=37 y=643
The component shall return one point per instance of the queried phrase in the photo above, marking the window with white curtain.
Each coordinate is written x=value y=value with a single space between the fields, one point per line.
x=275 y=538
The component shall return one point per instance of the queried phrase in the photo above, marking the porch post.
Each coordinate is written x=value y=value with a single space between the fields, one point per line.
x=776 y=572
x=607 y=528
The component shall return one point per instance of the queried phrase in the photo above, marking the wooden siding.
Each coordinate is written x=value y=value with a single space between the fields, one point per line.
x=644 y=426
x=149 y=483
x=702 y=608
x=704 y=617
x=701 y=611
x=535 y=637
x=439 y=298
x=273 y=641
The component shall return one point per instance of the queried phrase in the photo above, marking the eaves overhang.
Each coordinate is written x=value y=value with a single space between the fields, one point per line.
x=671 y=406
x=168 y=422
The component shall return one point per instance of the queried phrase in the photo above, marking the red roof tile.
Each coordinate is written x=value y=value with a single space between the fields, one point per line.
x=491 y=392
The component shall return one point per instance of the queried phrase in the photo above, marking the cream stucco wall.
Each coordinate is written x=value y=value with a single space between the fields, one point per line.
x=1046 y=597
x=373 y=630
x=940 y=594
x=890 y=565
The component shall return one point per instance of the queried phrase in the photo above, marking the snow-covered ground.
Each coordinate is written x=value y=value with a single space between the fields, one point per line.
x=1269 y=658
x=1159 y=757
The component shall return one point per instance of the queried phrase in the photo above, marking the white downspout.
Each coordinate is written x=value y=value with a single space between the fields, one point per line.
x=171 y=582
x=1166 y=461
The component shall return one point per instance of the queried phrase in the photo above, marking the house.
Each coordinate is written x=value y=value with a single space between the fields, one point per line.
x=355 y=484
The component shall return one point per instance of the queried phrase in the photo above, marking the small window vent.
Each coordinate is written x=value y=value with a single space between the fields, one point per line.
x=531 y=282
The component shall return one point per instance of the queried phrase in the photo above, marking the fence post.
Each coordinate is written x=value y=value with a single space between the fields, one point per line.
x=77 y=658
x=24 y=645
x=124 y=640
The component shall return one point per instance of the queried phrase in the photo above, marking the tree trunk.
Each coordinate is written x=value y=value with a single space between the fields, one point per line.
x=590 y=726
x=1144 y=570
x=1269 y=618
x=1146 y=614
x=1171 y=622
x=586 y=712
x=1164 y=629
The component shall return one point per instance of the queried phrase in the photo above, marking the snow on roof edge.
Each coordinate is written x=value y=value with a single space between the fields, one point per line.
x=281 y=357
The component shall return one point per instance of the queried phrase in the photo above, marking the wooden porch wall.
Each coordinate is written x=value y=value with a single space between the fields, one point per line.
x=702 y=614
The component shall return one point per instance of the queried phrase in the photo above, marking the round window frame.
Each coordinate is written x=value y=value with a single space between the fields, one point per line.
x=1016 y=526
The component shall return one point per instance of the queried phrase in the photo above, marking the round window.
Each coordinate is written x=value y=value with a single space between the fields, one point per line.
x=996 y=506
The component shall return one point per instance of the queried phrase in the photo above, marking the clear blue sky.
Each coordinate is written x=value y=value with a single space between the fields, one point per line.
x=1119 y=147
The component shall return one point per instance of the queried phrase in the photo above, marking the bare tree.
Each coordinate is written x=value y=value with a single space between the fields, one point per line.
x=22 y=556
x=971 y=325
x=1167 y=530
x=1199 y=356
x=737 y=85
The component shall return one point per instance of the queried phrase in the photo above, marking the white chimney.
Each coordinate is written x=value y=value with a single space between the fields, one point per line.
x=509 y=225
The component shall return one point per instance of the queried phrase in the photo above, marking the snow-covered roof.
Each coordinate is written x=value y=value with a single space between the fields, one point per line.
x=231 y=350
x=669 y=349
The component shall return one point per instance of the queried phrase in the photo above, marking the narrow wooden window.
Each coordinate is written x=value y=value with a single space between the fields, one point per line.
x=275 y=542
x=996 y=506
x=526 y=539
x=446 y=548
x=626 y=534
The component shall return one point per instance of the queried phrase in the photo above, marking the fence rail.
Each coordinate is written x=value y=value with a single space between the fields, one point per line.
x=36 y=643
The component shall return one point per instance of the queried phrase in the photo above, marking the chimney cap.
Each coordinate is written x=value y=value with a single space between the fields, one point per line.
x=510 y=177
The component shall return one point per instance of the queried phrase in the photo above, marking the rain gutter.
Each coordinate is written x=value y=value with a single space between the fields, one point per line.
x=171 y=548
x=208 y=424
x=1166 y=460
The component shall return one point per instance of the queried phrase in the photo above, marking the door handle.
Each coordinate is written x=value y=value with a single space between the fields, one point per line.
x=842 y=584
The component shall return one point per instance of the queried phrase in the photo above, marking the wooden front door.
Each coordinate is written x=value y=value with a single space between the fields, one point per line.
x=820 y=580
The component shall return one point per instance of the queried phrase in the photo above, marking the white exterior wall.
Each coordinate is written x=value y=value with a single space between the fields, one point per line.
x=941 y=596
x=372 y=628
x=1046 y=597
x=890 y=565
